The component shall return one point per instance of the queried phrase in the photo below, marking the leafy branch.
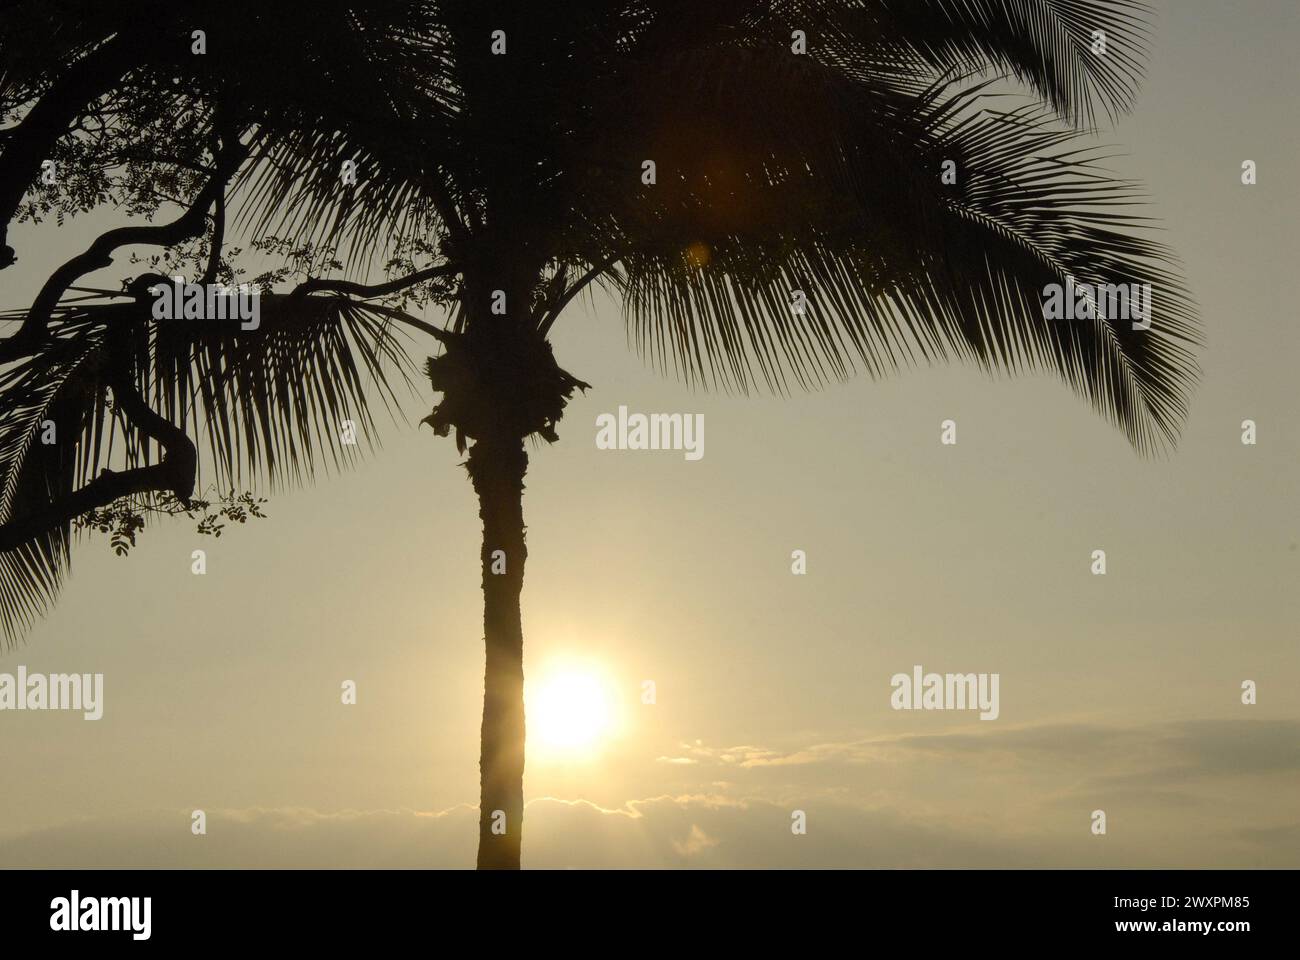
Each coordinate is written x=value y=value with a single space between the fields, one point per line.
x=124 y=518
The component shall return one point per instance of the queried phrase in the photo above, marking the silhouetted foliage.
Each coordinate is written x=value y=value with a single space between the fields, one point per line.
x=520 y=178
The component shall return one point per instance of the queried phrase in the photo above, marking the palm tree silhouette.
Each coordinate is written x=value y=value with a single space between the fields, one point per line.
x=780 y=193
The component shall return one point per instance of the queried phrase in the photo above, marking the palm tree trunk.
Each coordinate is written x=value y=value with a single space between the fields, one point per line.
x=496 y=468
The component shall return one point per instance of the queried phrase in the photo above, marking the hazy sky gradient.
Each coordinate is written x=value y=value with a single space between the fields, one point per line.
x=1118 y=692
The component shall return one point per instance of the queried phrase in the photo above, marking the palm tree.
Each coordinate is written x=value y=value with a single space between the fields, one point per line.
x=781 y=194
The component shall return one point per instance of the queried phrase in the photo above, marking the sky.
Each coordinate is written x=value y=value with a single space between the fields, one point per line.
x=1119 y=693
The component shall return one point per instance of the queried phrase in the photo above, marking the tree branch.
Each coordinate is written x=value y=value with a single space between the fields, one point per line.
x=446 y=209
x=33 y=140
x=553 y=313
x=313 y=285
x=175 y=472
x=218 y=238
x=110 y=485
x=33 y=332
x=442 y=336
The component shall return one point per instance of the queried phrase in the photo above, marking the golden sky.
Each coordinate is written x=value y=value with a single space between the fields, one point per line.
x=1119 y=692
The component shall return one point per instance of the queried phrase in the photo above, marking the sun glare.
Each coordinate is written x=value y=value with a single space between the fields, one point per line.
x=569 y=713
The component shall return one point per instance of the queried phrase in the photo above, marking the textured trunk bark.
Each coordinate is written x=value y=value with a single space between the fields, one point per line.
x=496 y=468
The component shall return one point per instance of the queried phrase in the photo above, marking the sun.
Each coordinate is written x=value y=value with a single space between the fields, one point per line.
x=569 y=713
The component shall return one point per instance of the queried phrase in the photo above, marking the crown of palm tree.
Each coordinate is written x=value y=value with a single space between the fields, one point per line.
x=776 y=172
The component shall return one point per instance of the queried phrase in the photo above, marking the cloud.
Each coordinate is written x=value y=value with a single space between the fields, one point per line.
x=1168 y=750
x=704 y=830
x=660 y=832
x=697 y=840
x=254 y=837
x=1177 y=794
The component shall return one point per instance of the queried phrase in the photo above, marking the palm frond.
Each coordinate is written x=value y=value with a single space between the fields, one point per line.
x=272 y=401
x=269 y=406
x=55 y=395
x=1053 y=46
x=898 y=267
